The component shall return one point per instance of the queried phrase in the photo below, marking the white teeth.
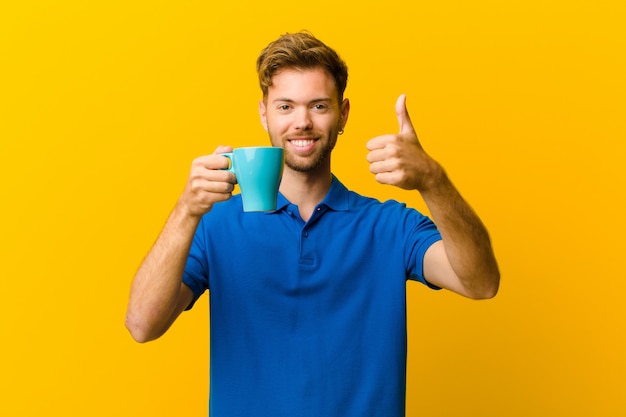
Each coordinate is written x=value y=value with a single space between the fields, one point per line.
x=302 y=142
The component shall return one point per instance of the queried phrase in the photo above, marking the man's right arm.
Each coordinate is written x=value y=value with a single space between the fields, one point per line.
x=157 y=295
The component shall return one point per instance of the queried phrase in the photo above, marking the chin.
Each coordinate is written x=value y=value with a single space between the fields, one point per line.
x=311 y=164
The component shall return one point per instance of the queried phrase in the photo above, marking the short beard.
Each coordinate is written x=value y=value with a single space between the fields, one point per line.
x=312 y=165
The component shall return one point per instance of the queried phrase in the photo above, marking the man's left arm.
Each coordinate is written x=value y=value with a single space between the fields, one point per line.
x=463 y=261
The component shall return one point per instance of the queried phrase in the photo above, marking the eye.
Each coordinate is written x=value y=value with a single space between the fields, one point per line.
x=321 y=107
x=283 y=106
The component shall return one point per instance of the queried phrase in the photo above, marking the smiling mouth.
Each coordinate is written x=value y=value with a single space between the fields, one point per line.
x=301 y=143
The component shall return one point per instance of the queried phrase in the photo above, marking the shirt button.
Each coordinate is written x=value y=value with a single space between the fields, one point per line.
x=305 y=234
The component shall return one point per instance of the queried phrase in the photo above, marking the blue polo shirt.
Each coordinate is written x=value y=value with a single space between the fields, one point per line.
x=309 y=319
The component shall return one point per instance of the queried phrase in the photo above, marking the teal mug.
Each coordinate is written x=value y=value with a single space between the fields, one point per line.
x=259 y=170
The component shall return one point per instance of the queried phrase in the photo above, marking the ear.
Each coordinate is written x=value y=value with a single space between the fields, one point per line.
x=345 y=111
x=263 y=114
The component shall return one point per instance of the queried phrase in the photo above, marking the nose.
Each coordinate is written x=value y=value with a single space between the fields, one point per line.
x=302 y=119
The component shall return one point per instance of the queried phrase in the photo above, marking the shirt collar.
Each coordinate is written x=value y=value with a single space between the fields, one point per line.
x=337 y=198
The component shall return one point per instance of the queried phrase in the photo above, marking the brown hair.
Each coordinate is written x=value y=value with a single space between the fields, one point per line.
x=300 y=51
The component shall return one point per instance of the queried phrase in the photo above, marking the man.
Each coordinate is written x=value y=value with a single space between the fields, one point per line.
x=308 y=302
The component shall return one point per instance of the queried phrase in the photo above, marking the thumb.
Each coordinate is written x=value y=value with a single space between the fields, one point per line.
x=404 y=120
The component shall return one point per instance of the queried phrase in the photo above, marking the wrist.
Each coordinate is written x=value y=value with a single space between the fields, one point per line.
x=184 y=213
x=435 y=179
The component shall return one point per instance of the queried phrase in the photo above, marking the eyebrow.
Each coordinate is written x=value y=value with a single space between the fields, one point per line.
x=288 y=100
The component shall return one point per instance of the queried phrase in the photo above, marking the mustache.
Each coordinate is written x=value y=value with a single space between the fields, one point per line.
x=305 y=136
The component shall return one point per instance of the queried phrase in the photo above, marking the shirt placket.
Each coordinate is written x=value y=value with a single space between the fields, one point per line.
x=309 y=257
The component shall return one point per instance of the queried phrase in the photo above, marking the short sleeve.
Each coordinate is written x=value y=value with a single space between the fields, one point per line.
x=421 y=234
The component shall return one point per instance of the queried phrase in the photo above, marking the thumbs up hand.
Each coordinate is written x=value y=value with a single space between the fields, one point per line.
x=400 y=159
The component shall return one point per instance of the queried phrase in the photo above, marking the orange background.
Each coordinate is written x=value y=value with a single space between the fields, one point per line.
x=103 y=105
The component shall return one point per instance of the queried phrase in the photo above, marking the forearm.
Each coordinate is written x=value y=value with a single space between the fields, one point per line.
x=157 y=294
x=465 y=263
x=465 y=238
x=155 y=297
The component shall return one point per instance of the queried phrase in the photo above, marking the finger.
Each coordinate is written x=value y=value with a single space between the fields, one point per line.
x=210 y=162
x=404 y=120
x=223 y=149
x=379 y=142
x=375 y=156
x=388 y=178
x=381 y=166
x=205 y=185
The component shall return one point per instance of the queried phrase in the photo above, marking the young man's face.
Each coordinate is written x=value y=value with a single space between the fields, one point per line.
x=302 y=114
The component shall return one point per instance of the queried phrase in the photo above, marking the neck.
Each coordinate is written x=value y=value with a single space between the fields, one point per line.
x=305 y=189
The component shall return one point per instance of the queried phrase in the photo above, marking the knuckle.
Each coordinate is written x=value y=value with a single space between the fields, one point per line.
x=195 y=184
x=225 y=187
x=197 y=162
x=393 y=149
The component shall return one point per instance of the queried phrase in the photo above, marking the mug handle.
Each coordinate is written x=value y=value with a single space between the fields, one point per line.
x=231 y=168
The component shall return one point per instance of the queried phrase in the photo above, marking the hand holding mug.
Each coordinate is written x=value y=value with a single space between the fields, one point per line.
x=209 y=182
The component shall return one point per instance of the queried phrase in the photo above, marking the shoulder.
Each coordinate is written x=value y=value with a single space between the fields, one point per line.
x=388 y=217
x=370 y=206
